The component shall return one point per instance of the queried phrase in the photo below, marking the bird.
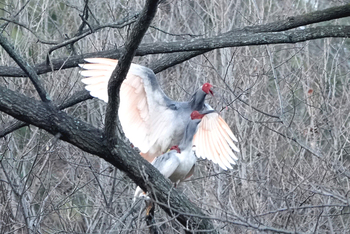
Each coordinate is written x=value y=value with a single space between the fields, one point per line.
x=179 y=162
x=152 y=121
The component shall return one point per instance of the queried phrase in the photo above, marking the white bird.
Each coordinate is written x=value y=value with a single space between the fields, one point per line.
x=152 y=121
x=179 y=162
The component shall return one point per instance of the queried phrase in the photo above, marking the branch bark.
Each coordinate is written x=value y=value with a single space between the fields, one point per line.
x=119 y=73
x=76 y=98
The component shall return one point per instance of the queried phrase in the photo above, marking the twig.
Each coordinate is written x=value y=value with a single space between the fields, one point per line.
x=275 y=78
x=91 y=30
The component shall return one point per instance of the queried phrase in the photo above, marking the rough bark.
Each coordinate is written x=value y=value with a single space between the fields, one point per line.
x=119 y=73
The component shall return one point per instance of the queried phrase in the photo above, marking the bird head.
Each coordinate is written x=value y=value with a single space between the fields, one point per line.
x=207 y=89
x=175 y=147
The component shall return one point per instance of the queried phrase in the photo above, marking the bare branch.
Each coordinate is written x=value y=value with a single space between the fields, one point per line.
x=302 y=20
x=289 y=37
x=30 y=72
x=122 y=68
x=71 y=101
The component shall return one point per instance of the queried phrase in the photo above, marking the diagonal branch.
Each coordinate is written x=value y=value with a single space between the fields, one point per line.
x=91 y=140
x=119 y=73
x=76 y=98
x=302 y=20
x=246 y=39
x=29 y=71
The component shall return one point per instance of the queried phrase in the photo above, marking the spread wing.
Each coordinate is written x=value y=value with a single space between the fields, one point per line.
x=144 y=110
x=214 y=140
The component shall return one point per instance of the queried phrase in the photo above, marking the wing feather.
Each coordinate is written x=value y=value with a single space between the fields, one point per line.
x=214 y=144
x=228 y=140
x=220 y=148
x=214 y=141
x=143 y=111
x=103 y=61
x=224 y=125
x=92 y=73
x=93 y=80
x=199 y=141
x=211 y=154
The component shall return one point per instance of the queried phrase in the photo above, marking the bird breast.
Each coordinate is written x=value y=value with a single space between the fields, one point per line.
x=187 y=161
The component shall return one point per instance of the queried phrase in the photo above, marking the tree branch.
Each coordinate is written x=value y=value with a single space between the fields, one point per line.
x=123 y=66
x=245 y=39
x=76 y=98
x=30 y=72
x=277 y=26
x=302 y=20
x=92 y=140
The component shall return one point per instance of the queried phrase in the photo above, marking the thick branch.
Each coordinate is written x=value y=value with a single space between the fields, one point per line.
x=302 y=20
x=91 y=140
x=119 y=73
x=76 y=98
x=246 y=39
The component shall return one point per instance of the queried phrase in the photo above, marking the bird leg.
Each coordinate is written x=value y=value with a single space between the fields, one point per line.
x=150 y=207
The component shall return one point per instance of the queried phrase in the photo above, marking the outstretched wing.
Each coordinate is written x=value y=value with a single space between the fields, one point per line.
x=214 y=140
x=144 y=110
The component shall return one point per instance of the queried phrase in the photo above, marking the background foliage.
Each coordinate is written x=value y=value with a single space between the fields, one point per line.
x=287 y=104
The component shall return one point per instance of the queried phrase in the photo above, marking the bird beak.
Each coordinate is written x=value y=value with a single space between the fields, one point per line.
x=211 y=92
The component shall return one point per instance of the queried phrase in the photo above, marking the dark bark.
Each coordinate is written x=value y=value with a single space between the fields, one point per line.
x=305 y=19
x=248 y=39
x=132 y=43
x=71 y=101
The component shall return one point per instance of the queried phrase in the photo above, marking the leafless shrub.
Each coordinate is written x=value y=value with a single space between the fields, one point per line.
x=288 y=105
